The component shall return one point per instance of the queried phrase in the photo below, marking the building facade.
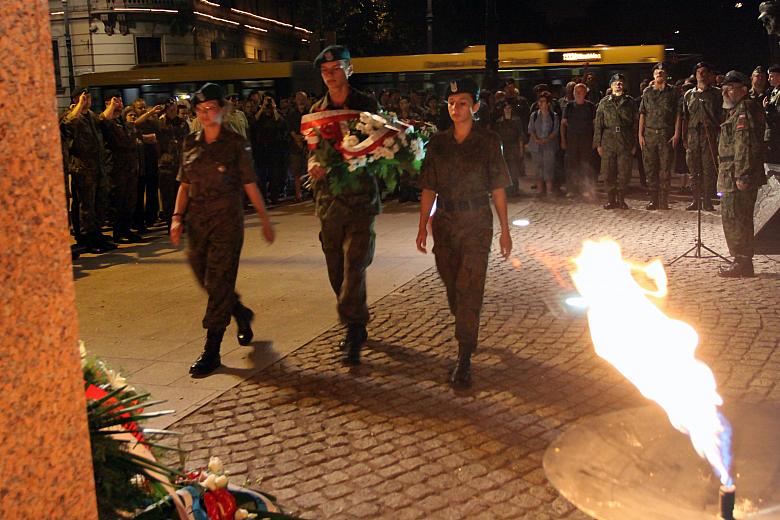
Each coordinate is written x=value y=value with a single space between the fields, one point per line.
x=114 y=35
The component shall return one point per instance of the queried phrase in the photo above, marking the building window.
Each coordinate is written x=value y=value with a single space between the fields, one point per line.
x=55 y=52
x=149 y=50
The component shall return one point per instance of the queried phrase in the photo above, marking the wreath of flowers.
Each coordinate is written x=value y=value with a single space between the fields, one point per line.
x=348 y=144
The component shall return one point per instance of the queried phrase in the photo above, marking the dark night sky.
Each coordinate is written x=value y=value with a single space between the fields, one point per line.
x=728 y=36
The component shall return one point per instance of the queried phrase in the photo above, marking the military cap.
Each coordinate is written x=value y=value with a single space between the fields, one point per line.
x=661 y=66
x=331 y=53
x=774 y=68
x=617 y=77
x=759 y=70
x=703 y=65
x=208 y=92
x=463 y=86
x=735 y=76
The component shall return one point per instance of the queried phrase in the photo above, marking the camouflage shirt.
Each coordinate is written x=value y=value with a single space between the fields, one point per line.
x=363 y=199
x=170 y=137
x=773 y=116
x=464 y=171
x=216 y=172
x=703 y=107
x=83 y=134
x=615 y=128
x=741 y=147
x=660 y=107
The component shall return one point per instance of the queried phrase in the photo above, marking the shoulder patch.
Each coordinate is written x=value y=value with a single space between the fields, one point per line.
x=742 y=122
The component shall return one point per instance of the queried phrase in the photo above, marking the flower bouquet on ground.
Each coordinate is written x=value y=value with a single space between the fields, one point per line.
x=131 y=482
x=349 y=144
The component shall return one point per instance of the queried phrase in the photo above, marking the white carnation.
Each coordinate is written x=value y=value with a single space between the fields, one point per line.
x=215 y=465
x=365 y=117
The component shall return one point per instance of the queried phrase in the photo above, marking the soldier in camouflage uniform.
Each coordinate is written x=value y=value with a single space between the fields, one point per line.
x=122 y=142
x=741 y=171
x=88 y=166
x=702 y=114
x=463 y=167
x=772 y=108
x=171 y=131
x=614 y=137
x=347 y=232
x=658 y=134
x=216 y=171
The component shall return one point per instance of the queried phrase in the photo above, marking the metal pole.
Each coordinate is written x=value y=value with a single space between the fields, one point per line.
x=68 y=49
x=429 y=20
x=491 y=45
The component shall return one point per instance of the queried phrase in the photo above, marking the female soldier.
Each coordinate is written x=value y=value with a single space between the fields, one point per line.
x=216 y=167
x=463 y=166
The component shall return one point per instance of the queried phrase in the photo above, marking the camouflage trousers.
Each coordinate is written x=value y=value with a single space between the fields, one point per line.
x=461 y=246
x=702 y=163
x=515 y=163
x=215 y=237
x=348 y=243
x=93 y=188
x=169 y=187
x=658 y=157
x=737 y=214
x=616 y=169
x=124 y=187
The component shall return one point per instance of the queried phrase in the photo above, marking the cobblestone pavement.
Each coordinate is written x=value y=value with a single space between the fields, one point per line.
x=390 y=439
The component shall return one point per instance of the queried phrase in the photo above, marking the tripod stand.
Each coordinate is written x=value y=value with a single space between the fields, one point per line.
x=698 y=244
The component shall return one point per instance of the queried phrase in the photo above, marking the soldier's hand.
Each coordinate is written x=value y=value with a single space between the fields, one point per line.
x=83 y=98
x=317 y=172
x=675 y=140
x=600 y=150
x=176 y=229
x=642 y=141
x=422 y=238
x=505 y=241
x=268 y=232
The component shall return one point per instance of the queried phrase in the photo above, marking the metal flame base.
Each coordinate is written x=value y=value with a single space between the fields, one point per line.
x=633 y=465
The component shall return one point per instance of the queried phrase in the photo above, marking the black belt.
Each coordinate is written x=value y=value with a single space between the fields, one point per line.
x=463 y=205
x=725 y=157
x=656 y=130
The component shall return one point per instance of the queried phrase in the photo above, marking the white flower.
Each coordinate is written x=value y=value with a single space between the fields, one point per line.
x=350 y=141
x=356 y=162
x=216 y=466
x=312 y=138
x=210 y=482
x=243 y=514
x=361 y=127
x=365 y=117
x=221 y=481
x=387 y=143
x=115 y=379
x=395 y=148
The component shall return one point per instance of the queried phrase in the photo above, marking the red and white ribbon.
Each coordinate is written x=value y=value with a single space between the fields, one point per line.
x=310 y=122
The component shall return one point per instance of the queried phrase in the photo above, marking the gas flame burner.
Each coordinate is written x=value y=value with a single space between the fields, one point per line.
x=633 y=465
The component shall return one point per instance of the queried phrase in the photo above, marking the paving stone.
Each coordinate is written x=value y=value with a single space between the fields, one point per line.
x=390 y=440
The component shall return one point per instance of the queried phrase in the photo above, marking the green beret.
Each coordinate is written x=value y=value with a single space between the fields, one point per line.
x=208 y=92
x=463 y=86
x=331 y=53
x=617 y=77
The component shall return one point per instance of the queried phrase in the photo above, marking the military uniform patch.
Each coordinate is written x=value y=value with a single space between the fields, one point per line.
x=453 y=86
x=328 y=56
x=741 y=122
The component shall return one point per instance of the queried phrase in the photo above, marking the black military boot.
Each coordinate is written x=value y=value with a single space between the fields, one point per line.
x=707 y=205
x=209 y=360
x=663 y=200
x=353 y=342
x=620 y=200
x=460 y=377
x=654 y=202
x=741 y=268
x=244 y=317
x=612 y=200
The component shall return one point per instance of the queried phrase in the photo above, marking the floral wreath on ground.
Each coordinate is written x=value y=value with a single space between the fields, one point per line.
x=349 y=144
x=131 y=481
